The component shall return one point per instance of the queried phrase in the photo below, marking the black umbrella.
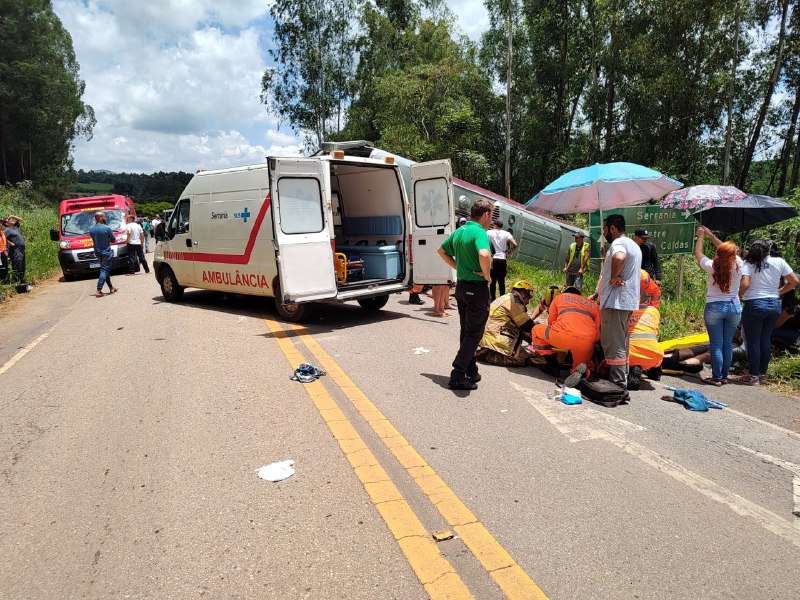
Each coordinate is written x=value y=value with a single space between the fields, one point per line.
x=751 y=212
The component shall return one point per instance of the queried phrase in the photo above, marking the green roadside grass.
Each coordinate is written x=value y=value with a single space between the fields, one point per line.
x=678 y=317
x=39 y=218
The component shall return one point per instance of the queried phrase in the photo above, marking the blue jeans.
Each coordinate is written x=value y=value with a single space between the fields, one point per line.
x=105 y=257
x=758 y=321
x=722 y=318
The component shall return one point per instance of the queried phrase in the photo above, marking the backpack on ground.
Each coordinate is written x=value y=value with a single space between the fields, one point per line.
x=603 y=392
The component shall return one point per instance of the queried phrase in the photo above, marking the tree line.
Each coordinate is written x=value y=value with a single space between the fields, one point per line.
x=41 y=111
x=707 y=92
x=156 y=187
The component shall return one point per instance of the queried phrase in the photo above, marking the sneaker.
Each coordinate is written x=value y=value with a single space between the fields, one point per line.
x=574 y=378
x=635 y=378
x=415 y=299
x=464 y=384
x=475 y=377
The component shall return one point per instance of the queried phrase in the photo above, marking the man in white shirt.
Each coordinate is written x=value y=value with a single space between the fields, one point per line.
x=503 y=244
x=135 y=249
x=154 y=226
x=619 y=297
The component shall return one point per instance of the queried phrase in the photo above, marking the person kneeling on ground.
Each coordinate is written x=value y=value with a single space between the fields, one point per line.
x=573 y=324
x=508 y=328
x=645 y=353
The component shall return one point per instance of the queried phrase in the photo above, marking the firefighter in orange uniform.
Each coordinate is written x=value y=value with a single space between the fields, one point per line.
x=650 y=291
x=573 y=324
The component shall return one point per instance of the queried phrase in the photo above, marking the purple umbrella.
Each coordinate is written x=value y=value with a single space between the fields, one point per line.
x=698 y=197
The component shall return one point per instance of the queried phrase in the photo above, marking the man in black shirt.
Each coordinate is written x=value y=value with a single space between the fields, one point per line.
x=650 y=261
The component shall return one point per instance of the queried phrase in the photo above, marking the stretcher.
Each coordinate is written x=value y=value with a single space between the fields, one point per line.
x=687 y=341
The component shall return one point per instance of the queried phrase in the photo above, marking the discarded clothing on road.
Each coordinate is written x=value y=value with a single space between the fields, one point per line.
x=306 y=373
x=695 y=400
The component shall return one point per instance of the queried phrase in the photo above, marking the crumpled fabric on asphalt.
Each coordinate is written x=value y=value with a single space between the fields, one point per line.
x=695 y=400
x=306 y=373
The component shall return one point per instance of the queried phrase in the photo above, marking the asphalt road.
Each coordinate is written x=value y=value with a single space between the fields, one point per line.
x=131 y=431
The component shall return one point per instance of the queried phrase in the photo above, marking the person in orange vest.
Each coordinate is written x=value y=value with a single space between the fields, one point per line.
x=573 y=323
x=649 y=290
x=644 y=351
x=3 y=253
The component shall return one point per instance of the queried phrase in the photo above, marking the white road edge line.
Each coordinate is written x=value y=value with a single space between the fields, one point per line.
x=582 y=423
x=789 y=466
x=14 y=359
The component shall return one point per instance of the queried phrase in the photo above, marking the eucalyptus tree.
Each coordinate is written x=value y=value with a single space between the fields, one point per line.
x=41 y=111
x=311 y=84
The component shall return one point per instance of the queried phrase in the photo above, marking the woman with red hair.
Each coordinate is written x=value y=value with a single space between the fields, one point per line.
x=723 y=310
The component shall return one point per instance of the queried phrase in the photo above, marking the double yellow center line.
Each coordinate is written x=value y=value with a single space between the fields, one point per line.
x=436 y=574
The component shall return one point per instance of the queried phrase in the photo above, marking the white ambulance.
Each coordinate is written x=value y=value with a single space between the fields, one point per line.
x=328 y=228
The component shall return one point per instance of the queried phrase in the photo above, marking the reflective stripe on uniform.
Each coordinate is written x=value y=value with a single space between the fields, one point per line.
x=644 y=336
x=564 y=311
x=617 y=362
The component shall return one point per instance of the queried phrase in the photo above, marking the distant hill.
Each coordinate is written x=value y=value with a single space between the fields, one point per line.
x=156 y=187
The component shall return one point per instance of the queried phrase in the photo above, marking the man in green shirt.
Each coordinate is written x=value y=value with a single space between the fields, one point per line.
x=467 y=251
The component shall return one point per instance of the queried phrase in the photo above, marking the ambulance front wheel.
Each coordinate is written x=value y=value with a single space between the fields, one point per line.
x=170 y=288
x=376 y=303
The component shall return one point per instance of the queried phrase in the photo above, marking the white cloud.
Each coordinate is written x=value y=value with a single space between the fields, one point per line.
x=175 y=84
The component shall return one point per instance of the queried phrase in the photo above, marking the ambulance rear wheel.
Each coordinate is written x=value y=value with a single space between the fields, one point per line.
x=170 y=288
x=293 y=313
x=376 y=303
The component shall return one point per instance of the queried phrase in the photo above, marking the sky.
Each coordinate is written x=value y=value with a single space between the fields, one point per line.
x=175 y=84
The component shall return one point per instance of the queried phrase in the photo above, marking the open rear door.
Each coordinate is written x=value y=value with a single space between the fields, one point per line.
x=300 y=220
x=432 y=212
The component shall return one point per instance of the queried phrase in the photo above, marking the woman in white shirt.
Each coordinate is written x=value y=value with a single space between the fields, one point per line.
x=723 y=310
x=762 y=291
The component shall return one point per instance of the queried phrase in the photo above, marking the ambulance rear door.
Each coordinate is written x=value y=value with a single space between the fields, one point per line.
x=432 y=215
x=300 y=216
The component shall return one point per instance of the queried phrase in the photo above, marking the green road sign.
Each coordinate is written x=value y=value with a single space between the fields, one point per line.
x=671 y=230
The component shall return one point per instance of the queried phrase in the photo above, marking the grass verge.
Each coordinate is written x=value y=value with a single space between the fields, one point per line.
x=39 y=217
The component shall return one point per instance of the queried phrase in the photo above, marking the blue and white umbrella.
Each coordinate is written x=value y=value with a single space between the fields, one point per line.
x=602 y=187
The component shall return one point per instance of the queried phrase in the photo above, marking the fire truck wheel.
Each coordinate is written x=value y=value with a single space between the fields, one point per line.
x=170 y=288
x=376 y=303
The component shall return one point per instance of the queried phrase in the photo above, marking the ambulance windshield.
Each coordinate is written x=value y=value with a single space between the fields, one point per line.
x=79 y=223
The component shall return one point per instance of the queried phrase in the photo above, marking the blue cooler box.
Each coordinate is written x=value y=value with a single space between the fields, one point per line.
x=380 y=262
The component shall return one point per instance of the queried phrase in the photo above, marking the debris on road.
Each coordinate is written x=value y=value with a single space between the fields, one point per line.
x=306 y=373
x=445 y=534
x=420 y=350
x=277 y=471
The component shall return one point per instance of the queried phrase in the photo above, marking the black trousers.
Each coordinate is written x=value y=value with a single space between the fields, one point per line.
x=498 y=273
x=472 y=298
x=17 y=265
x=136 y=256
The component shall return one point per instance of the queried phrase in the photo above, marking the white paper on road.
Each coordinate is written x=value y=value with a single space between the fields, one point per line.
x=420 y=350
x=277 y=471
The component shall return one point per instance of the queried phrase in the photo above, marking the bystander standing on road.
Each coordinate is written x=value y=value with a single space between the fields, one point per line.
x=3 y=253
x=577 y=261
x=761 y=277
x=134 y=240
x=154 y=227
x=650 y=262
x=147 y=232
x=503 y=244
x=619 y=297
x=723 y=309
x=16 y=251
x=467 y=251
x=103 y=237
